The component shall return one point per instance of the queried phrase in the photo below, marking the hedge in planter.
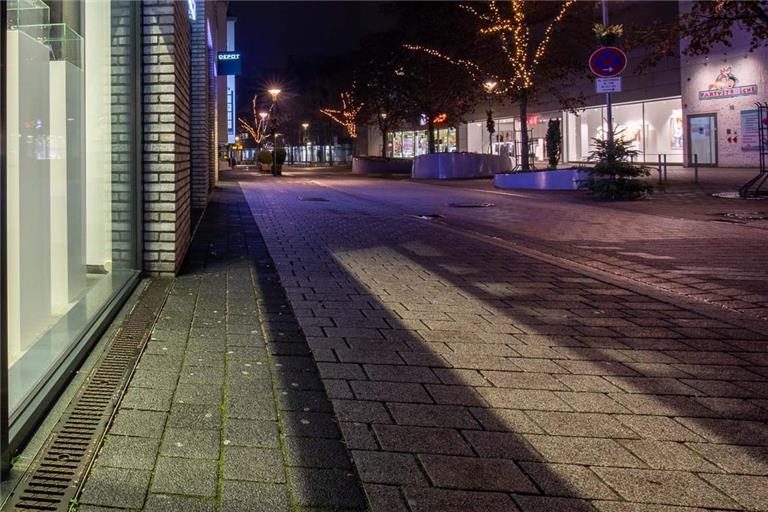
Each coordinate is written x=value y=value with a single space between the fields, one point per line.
x=265 y=157
x=614 y=176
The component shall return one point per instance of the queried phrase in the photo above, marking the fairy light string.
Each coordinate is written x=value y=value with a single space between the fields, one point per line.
x=347 y=115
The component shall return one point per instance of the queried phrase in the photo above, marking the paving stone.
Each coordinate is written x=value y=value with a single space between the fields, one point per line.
x=523 y=399
x=198 y=394
x=195 y=416
x=421 y=440
x=659 y=428
x=663 y=487
x=507 y=445
x=253 y=464
x=567 y=480
x=191 y=443
x=240 y=496
x=253 y=433
x=326 y=488
x=583 y=450
x=751 y=460
x=431 y=499
x=316 y=453
x=387 y=468
x=668 y=455
x=129 y=422
x=448 y=416
x=147 y=399
x=505 y=420
x=581 y=424
x=476 y=474
x=128 y=452
x=115 y=487
x=749 y=491
x=171 y=503
x=549 y=503
x=390 y=391
x=185 y=476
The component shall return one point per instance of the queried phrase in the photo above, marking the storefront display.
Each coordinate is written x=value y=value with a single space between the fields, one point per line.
x=407 y=144
x=653 y=127
x=71 y=199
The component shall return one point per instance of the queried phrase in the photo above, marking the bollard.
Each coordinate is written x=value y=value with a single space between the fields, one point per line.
x=665 y=167
x=696 y=168
x=659 y=168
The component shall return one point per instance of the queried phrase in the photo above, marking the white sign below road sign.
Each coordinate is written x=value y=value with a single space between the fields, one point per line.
x=612 y=84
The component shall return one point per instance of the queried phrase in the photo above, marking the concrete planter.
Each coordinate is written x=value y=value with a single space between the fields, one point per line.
x=565 y=179
x=378 y=165
x=456 y=166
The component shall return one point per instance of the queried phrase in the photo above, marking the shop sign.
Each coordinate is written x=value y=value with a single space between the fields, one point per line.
x=725 y=86
x=612 y=84
x=228 y=63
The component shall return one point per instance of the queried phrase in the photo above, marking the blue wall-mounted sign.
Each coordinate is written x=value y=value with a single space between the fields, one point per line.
x=228 y=63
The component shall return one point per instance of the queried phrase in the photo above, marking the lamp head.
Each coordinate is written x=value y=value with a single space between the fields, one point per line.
x=490 y=85
x=305 y=125
x=263 y=115
x=274 y=91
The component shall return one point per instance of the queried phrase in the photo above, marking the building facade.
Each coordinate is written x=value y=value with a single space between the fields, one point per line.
x=110 y=116
x=682 y=109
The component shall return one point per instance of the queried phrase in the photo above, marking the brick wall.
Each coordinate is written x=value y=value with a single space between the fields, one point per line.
x=166 y=136
x=123 y=175
x=201 y=132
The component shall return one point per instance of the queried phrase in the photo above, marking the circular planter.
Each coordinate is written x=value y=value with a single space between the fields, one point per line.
x=456 y=166
x=564 y=179
x=378 y=165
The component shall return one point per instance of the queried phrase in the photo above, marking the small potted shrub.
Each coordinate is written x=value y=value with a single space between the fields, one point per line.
x=607 y=35
x=265 y=160
x=614 y=176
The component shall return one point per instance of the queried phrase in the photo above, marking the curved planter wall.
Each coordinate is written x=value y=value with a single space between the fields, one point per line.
x=456 y=166
x=567 y=179
x=381 y=165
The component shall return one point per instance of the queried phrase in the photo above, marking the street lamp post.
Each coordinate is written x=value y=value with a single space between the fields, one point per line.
x=304 y=139
x=489 y=86
x=274 y=91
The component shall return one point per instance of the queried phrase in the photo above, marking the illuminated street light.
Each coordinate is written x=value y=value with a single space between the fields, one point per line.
x=274 y=91
x=263 y=115
x=489 y=86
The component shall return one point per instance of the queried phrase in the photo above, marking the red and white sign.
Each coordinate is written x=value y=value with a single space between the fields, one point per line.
x=608 y=61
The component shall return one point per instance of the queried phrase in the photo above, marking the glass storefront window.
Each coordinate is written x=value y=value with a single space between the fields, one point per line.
x=71 y=196
x=407 y=144
x=654 y=127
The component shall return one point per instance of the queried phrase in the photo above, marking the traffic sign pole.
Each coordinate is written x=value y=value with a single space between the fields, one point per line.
x=608 y=107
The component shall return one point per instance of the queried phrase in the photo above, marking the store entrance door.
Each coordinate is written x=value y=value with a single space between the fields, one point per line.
x=702 y=139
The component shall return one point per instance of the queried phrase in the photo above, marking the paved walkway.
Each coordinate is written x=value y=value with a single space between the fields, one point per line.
x=225 y=411
x=690 y=244
x=467 y=375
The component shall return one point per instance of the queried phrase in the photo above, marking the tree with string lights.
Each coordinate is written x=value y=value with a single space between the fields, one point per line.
x=347 y=115
x=522 y=34
x=257 y=128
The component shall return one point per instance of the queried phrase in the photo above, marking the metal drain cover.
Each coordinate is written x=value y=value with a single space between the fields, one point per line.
x=741 y=216
x=315 y=199
x=427 y=216
x=471 y=205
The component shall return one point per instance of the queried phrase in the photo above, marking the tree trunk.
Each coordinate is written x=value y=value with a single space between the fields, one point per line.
x=525 y=164
x=384 y=133
x=430 y=135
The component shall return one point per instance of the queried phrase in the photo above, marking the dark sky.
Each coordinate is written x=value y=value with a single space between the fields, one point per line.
x=268 y=33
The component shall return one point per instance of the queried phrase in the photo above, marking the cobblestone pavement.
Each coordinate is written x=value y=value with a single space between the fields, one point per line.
x=467 y=375
x=226 y=411
x=701 y=247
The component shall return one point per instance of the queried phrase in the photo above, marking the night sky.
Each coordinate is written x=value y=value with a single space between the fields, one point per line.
x=268 y=34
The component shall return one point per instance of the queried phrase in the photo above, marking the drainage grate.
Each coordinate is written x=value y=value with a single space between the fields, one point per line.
x=316 y=199
x=55 y=476
x=471 y=205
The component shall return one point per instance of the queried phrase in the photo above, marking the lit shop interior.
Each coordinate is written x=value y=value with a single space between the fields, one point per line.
x=70 y=205
x=506 y=137
x=410 y=143
x=654 y=128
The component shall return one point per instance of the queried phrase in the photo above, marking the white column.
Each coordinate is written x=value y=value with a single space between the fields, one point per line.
x=98 y=122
